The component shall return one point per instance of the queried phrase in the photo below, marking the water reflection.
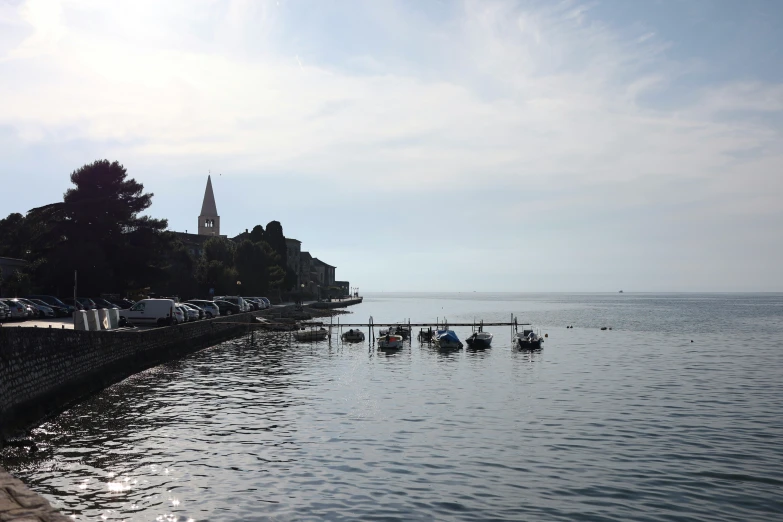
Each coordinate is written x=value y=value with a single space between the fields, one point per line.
x=267 y=428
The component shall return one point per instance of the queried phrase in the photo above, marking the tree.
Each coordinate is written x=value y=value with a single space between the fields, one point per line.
x=274 y=236
x=15 y=233
x=97 y=230
x=257 y=234
x=276 y=240
x=219 y=249
x=217 y=270
x=180 y=272
x=252 y=265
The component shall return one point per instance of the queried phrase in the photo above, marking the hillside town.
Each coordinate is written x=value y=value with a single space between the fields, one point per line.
x=80 y=247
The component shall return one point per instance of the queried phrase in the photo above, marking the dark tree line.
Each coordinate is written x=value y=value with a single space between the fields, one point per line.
x=99 y=231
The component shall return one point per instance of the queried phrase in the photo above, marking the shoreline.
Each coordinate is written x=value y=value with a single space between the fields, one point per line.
x=81 y=363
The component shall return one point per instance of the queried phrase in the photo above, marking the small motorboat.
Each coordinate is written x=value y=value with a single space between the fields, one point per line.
x=447 y=340
x=389 y=342
x=527 y=339
x=353 y=336
x=402 y=331
x=312 y=334
x=426 y=336
x=479 y=339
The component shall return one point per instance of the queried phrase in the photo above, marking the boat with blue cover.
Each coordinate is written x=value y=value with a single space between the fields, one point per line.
x=447 y=339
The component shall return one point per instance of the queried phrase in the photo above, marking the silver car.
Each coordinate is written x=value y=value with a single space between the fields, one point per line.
x=18 y=310
x=39 y=310
x=192 y=311
x=5 y=311
x=210 y=309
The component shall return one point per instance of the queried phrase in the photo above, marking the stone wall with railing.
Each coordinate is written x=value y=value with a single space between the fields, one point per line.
x=42 y=370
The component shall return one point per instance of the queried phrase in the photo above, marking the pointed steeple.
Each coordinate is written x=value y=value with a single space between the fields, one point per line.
x=208 y=207
x=209 y=221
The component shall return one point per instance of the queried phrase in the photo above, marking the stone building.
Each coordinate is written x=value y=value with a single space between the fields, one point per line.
x=311 y=272
x=208 y=224
x=209 y=220
x=325 y=272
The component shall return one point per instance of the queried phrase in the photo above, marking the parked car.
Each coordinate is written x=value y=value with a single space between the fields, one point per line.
x=240 y=302
x=151 y=312
x=18 y=310
x=182 y=313
x=30 y=311
x=227 y=307
x=39 y=310
x=200 y=314
x=122 y=304
x=267 y=301
x=54 y=303
x=5 y=311
x=88 y=303
x=210 y=309
x=59 y=311
x=194 y=314
x=103 y=303
x=73 y=303
x=253 y=303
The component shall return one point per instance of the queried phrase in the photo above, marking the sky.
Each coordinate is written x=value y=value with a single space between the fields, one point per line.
x=424 y=146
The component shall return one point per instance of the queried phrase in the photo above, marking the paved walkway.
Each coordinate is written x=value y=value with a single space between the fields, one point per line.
x=19 y=504
x=61 y=322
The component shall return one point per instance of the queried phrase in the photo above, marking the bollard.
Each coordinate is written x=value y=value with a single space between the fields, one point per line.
x=92 y=320
x=80 y=320
x=114 y=319
x=103 y=319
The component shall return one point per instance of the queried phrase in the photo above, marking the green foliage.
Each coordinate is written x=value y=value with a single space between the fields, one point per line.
x=180 y=272
x=257 y=234
x=274 y=236
x=97 y=231
x=15 y=233
x=16 y=284
x=252 y=265
x=219 y=249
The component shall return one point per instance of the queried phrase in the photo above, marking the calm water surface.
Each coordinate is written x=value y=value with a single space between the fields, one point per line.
x=636 y=423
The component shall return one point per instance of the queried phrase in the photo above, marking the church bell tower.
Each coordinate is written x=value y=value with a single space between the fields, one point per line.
x=209 y=221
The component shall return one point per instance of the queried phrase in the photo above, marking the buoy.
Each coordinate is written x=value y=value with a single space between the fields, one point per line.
x=691 y=340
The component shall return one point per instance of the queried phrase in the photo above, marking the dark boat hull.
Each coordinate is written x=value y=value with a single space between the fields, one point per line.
x=529 y=345
x=478 y=343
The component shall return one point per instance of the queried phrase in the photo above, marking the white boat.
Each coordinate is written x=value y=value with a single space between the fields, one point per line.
x=353 y=336
x=527 y=339
x=390 y=342
x=479 y=340
x=312 y=334
x=447 y=340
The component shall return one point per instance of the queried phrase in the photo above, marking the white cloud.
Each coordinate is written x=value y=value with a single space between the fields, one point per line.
x=528 y=99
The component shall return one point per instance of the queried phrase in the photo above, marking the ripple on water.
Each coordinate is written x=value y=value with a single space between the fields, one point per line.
x=612 y=425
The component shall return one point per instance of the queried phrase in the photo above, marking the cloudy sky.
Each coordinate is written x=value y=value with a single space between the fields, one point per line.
x=425 y=145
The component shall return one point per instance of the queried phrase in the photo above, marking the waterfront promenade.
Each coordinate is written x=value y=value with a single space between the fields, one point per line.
x=46 y=369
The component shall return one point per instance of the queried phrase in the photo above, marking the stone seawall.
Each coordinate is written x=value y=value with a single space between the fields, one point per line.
x=337 y=304
x=43 y=370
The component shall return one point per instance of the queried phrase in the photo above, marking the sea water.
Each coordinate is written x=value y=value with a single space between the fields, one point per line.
x=675 y=413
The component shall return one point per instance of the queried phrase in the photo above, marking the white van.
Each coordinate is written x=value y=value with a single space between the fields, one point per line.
x=150 y=312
